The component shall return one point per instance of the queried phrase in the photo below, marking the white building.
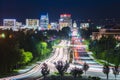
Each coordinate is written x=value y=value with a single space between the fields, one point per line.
x=9 y=23
x=32 y=23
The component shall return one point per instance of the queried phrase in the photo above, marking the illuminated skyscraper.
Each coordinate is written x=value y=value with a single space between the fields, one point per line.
x=44 y=21
x=65 y=21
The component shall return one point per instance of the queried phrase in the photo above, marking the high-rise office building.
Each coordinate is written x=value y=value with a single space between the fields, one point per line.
x=44 y=22
x=65 y=21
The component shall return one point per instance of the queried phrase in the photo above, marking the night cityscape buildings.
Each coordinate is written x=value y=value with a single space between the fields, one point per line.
x=69 y=32
x=65 y=21
x=40 y=24
x=32 y=23
x=44 y=22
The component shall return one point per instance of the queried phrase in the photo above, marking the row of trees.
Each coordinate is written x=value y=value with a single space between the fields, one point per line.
x=63 y=67
x=11 y=55
x=106 y=70
x=20 y=48
x=106 y=49
x=76 y=72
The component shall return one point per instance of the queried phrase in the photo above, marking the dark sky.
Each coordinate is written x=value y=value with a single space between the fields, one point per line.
x=80 y=9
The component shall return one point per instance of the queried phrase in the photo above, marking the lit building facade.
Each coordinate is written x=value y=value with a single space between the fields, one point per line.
x=32 y=23
x=9 y=23
x=74 y=24
x=44 y=22
x=18 y=24
x=54 y=25
x=106 y=32
x=84 y=25
x=65 y=21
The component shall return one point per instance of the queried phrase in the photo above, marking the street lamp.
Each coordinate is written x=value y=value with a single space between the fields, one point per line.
x=2 y=35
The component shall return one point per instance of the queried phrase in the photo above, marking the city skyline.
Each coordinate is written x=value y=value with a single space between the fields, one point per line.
x=81 y=9
x=77 y=39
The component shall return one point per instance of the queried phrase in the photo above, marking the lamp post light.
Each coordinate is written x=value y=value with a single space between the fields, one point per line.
x=2 y=36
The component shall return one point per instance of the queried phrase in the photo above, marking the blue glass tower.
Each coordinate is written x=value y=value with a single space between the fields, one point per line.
x=44 y=21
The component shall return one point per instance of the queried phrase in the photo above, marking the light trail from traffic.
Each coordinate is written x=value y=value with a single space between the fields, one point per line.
x=61 y=53
x=82 y=56
x=36 y=71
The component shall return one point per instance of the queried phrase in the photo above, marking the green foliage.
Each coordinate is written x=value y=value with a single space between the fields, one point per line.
x=104 y=49
x=42 y=48
x=43 y=45
x=19 y=48
x=26 y=56
x=57 y=41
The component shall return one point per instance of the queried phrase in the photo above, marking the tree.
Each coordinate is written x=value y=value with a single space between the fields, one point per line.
x=104 y=47
x=61 y=67
x=76 y=72
x=85 y=67
x=9 y=53
x=115 y=71
x=26 y=56
x=45 y=71
x=106 y=70
x=117 y=54
x=66 y=31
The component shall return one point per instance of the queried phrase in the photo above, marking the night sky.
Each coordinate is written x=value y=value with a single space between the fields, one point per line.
x=80 y=9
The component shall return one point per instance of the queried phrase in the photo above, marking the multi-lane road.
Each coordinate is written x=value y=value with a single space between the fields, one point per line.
x=81 y=56
x=60 y=53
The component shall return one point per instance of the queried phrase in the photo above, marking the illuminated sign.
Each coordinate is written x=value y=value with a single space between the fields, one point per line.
x=65 y=15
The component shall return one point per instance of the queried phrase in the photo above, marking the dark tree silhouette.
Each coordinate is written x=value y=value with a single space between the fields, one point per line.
x=115 y=71
x=85 y=67
x=45 y=71
x=76 y=72
x=61 y=67
x=106 y=70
